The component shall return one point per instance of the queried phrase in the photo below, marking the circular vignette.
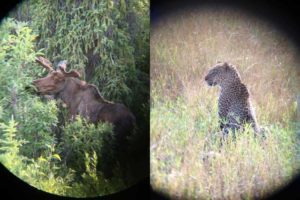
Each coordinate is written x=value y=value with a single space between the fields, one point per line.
x=133 y=191
x=178 y=37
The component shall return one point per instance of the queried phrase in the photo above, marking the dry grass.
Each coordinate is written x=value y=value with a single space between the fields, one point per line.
x=186 y=159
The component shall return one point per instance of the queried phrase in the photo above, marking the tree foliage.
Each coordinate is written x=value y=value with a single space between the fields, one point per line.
x=106 y=40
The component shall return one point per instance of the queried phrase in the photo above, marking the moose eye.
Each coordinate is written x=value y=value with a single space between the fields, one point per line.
x=56 y=77
x=54 y=73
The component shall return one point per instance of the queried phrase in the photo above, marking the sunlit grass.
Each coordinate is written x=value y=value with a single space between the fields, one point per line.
x=187 y=160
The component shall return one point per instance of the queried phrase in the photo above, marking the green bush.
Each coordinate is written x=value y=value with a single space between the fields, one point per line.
x=47 y=173
x=93 y=182
x=37 y=120
x=8 y=144
x=16 y=67
x=81 y=137
x=41 y=173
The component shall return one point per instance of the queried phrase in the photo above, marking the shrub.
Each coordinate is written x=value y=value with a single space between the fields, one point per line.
x=93 y=183
x=81 y=137
x=37 y=120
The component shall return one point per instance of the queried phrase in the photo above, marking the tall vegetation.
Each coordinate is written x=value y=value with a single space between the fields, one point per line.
x=108 y=42
x=187 y=160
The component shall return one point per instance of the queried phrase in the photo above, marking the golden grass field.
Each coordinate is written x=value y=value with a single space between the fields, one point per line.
x=187 y=161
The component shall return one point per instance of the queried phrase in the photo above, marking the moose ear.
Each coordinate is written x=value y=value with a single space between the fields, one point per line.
x=72 y=73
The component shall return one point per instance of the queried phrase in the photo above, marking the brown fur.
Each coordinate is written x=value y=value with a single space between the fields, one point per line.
x=85 y=100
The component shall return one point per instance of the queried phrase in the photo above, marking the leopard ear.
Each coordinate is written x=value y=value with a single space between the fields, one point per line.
x=72 y=73
x=227 y=66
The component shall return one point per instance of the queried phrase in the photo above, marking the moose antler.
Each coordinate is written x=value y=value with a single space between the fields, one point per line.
x=44 y=62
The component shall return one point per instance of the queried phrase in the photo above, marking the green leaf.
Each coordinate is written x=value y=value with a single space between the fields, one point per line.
x=42 y=159
x=56 y=156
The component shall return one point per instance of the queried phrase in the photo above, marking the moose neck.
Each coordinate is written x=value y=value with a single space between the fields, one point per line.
x=69 y=94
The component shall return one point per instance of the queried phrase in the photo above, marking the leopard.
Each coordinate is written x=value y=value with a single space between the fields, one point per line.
x=234 y=105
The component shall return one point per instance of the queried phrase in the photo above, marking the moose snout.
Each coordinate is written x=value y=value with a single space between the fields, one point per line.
x=36 y=82
x=36 y=87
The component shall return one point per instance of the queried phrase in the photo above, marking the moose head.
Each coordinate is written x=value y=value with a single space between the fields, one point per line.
x=54 y=82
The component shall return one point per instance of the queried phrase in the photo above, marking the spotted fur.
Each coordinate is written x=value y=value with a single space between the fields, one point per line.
x=234 y=101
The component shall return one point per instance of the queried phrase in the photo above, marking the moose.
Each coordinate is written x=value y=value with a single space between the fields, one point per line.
x=84 y=99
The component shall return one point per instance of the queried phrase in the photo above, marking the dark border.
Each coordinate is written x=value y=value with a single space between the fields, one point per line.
x=14 y=188
x=282 y=14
